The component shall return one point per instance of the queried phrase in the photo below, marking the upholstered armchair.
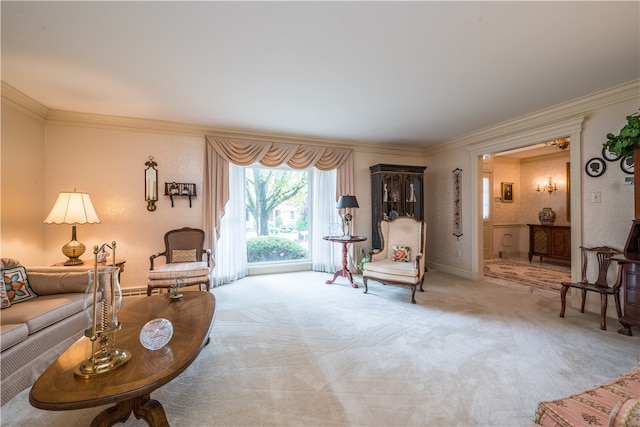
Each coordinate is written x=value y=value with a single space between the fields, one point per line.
x=187 y=262
x=401 y=260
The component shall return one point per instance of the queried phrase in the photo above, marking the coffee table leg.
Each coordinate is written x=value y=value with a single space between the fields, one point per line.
x=116 y=414
x=143 y=407
x=151 y=411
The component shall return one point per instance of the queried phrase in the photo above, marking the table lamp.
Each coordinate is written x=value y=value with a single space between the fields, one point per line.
x=73 y=208
x=347 y=202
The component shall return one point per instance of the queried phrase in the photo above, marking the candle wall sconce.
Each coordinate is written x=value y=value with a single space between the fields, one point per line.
x=151 y=184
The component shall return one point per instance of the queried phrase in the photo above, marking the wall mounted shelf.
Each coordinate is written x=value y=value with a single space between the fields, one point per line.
x=179 y=189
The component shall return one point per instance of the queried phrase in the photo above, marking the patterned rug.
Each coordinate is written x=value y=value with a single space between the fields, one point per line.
x=545 y=277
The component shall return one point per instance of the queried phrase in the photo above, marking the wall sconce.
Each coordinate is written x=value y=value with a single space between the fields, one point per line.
x=550 y=187
x=347 y=202
x=151 y=184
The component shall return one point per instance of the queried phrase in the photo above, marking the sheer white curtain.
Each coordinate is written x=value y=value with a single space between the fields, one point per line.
x=230 y=254
x=323 y=214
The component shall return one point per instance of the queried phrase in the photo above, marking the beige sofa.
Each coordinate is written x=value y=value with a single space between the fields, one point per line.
x=34 y=332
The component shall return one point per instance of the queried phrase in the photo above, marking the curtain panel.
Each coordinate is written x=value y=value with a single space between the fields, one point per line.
x=220 y=151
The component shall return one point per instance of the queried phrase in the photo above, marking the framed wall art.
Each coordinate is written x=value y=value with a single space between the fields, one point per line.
x=608 y=155
x=507 y=192
x=595 y=167
x=627 y=165
x=457 y=203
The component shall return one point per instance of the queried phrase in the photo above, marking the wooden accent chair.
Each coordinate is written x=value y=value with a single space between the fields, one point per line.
x=404 y=237
x=185 y=257
x=601 y=254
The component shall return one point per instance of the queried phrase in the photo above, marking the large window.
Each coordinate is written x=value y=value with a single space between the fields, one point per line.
x=277 y=214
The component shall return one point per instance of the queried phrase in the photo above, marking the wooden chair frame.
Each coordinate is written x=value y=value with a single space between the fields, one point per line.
x=603 y=256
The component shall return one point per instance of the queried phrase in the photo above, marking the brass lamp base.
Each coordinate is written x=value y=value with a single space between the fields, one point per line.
x=95 y=366
x=73 y=250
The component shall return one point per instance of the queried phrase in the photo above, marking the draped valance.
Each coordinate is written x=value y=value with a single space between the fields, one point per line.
x=221 y=151
x=245 y=152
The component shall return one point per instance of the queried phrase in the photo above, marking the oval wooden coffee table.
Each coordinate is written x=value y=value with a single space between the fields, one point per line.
x=129 y=387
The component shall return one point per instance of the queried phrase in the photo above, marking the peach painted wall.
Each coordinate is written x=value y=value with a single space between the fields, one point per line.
x=23 y=178
x=109 y=165
x=539 y=169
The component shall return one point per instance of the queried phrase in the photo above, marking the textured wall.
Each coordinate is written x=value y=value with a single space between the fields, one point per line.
x=23 y=178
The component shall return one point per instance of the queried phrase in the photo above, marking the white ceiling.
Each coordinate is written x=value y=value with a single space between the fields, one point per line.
x=380 y=72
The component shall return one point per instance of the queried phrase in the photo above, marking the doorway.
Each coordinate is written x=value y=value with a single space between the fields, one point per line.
x=569 y=128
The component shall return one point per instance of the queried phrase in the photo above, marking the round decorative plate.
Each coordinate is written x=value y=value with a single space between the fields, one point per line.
x=627 y=165
x=608 y=155
x=595 y=167
x=156 y=334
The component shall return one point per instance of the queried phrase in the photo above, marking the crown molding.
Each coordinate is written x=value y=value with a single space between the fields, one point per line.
x=27 y=104
x=543 y=118
x=23 y=102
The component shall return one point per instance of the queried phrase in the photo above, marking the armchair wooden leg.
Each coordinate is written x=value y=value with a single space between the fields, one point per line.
x=364 y=282
x=563 y=299
x=413 y=294
x=603 y=311
x=584 y=298
x=148 y=291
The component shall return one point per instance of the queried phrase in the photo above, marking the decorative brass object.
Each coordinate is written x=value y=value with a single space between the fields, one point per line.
x=550 y=187
x=102 y=305
x=151 y=184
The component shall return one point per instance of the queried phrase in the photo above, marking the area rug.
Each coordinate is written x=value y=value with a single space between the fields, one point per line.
x=545 y=277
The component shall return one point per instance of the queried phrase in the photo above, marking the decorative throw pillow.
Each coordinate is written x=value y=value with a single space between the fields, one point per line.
x=401 y=253
x=16 y=285
x=183 y=255
x=4 y=300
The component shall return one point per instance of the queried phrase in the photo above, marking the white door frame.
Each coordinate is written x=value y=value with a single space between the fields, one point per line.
x=573 y=129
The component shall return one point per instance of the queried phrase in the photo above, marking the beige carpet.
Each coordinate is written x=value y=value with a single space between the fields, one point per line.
x=288 y=350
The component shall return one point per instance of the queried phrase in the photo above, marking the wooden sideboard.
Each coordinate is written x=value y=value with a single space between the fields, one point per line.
x=549 y=241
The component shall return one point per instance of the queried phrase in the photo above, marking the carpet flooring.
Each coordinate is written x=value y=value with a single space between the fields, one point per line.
x=541 y=276
x=288 y=350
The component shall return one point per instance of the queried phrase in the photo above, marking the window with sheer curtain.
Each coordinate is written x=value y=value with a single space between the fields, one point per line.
x=224 y=205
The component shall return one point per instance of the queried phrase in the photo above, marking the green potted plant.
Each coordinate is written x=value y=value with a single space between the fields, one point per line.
x=628 y=138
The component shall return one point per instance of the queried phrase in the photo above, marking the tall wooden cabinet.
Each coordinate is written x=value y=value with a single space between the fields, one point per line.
x=395 y=191
x=630 y=264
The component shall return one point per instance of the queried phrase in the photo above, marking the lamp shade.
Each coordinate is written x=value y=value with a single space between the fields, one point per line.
x=72 y=208
x=347 y=202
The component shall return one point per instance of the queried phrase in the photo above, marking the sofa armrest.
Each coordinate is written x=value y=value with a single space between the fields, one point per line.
x=57 y=280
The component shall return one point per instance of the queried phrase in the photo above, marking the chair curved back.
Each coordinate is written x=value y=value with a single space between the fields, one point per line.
x=603 y=256
x=184 y=239
x=403 y=231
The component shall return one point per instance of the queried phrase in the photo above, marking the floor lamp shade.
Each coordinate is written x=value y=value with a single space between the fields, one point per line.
x=73 y=208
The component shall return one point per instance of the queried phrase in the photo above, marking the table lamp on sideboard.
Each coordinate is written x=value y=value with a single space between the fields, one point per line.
x=73 y=208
